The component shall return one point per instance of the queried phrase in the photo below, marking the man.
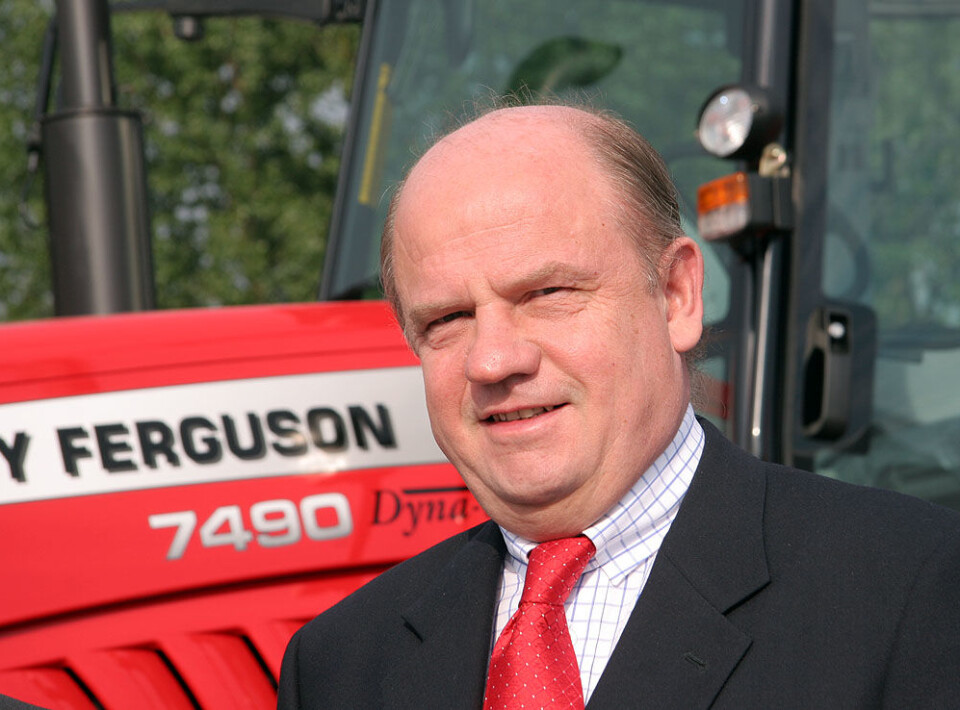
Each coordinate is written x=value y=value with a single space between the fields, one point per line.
x=538 y=269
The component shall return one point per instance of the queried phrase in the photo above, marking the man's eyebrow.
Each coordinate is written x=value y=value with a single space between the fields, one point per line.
x=425 y=312
x=552 y=271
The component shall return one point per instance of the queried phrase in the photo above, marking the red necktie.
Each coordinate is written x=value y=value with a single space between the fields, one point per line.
x=533 y=664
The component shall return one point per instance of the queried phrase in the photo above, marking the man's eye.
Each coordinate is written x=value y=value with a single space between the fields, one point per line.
x=449 y=317
x=547 y=291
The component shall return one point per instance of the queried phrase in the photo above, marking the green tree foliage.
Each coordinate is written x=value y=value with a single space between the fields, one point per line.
x=242 y=132
x=25 y=290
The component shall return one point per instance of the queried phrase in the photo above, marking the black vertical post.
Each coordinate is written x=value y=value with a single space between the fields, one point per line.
x=95 y=176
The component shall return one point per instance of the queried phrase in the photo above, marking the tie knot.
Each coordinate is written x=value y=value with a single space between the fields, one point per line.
x=554 y=568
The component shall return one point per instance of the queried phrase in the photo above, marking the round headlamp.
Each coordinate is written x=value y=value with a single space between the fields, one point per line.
x=737 y=122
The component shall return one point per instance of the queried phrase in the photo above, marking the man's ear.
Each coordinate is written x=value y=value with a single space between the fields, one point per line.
x=682 y=269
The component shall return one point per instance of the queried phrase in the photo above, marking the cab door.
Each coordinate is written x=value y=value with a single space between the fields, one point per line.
x=876 y=253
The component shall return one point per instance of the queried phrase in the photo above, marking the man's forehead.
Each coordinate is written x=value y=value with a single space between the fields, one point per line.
x=493 y=187
x=516 y=134
x=510 y=165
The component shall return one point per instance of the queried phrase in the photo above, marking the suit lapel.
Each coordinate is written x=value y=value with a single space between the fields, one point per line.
x=451 y=626
x=679 y=648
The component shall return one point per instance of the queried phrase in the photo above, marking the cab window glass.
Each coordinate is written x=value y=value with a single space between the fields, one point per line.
x=893 y=240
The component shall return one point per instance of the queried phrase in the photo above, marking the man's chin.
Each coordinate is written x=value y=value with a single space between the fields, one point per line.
x=545 y=522
x=545 y=505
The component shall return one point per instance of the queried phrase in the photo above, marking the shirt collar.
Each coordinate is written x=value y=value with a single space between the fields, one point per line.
x=632 y=530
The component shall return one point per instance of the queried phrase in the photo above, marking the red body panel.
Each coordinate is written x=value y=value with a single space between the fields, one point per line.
x=170 y=572
x=69 y=356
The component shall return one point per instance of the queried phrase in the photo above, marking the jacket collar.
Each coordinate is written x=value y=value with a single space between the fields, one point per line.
x=679 y=648
x=453 y=621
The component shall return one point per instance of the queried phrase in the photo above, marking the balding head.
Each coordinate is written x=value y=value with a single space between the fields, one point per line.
x=644 y=201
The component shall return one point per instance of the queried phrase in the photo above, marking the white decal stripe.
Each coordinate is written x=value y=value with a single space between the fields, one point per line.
x=169 y=436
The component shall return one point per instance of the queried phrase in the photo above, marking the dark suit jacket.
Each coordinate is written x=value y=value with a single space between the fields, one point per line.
x=774 y=588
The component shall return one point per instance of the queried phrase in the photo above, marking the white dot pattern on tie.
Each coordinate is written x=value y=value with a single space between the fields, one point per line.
x=533 y=664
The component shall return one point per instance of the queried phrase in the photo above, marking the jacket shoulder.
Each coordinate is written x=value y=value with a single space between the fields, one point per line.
x=818 y=506
x=859 y=603
x=399 y=586
x=340 y=658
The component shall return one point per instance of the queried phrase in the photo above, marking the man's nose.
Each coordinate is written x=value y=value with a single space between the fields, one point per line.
x=499 y=350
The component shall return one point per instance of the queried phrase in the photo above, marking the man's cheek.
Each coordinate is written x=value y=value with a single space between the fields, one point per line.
x=443 y=407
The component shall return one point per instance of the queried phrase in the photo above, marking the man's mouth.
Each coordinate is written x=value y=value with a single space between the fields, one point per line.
x=521 y=414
